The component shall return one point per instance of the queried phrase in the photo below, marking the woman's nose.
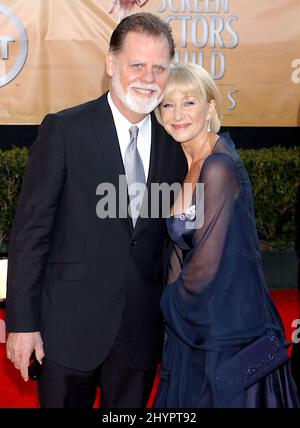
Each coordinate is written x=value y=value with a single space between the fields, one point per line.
x=178 y=113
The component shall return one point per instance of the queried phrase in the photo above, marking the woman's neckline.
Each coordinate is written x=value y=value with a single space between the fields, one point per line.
x=183 y=214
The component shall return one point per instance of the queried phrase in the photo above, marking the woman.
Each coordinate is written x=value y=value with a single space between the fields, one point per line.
x=216 y=302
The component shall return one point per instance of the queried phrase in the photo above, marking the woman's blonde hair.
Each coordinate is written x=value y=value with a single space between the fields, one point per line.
x=192 y=79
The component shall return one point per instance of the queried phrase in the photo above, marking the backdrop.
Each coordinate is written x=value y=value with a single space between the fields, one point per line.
x=52 y=54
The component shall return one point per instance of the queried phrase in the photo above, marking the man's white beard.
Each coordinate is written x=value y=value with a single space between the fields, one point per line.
x=134 y=102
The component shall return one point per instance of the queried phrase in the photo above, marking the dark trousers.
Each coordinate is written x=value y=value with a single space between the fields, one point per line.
x=121 y=386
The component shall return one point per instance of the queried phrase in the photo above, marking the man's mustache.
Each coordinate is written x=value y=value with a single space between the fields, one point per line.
x=147 y=86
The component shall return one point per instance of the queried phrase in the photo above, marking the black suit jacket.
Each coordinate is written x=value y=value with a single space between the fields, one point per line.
x=76 y=277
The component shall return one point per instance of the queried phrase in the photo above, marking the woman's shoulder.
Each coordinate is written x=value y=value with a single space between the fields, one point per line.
x=219 y=174
x=219 y=163
x=224 y=152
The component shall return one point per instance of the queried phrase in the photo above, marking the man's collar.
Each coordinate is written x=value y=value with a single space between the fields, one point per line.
x=121 y=119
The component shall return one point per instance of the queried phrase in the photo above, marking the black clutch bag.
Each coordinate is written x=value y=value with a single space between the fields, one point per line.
x=261 y=358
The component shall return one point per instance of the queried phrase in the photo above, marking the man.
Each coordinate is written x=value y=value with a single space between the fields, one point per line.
x=83 y=291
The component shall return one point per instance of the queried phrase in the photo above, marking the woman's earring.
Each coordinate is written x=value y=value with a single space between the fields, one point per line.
x=208 y=126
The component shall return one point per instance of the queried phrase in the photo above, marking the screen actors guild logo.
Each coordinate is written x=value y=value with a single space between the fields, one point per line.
x=8 y=71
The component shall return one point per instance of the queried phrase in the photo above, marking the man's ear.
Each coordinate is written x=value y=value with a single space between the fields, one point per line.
x=110 y=66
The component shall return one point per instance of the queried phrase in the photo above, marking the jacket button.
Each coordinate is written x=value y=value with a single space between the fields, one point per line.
x=133 y=242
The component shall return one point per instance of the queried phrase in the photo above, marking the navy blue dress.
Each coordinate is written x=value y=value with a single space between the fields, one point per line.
x=217 y=301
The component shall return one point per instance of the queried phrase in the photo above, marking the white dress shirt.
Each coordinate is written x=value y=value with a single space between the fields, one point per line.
x=144 y=136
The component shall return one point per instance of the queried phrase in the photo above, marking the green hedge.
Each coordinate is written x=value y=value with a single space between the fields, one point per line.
x=12 y=166
x=274 y=174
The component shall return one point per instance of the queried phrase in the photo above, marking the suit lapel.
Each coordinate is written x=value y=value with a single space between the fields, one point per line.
x=107 y=138
x=105 y=130
x=155 y=169
x=156 y=146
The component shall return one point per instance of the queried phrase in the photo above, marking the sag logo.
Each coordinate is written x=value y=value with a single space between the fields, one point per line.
x=13 y=45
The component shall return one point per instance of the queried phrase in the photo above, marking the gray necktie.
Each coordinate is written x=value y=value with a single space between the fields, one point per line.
x=134 y=172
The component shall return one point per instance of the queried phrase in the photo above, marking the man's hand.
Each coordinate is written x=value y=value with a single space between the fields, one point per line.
x=19 y=348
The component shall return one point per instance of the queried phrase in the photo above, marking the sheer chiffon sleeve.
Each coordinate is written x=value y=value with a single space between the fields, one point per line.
x=221 y=189
x=175 y=264
x=183 y=298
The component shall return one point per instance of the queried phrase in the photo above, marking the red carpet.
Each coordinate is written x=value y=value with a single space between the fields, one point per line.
x=15 y=393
